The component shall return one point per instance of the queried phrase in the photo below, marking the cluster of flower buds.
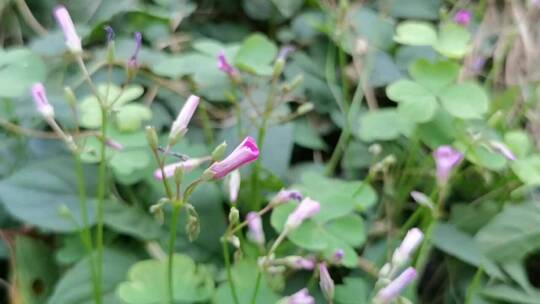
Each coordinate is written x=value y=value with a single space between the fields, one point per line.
x=393 y=285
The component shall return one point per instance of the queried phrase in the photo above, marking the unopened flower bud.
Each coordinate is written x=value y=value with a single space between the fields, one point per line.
x=306 y=209
x=179 y=126
x=234 y=215
x=73 y=42
x=305 y=108
x=326 y=283
x=219 y=151
x=152 y=137
x=234 y=185
x=42 y=103
x=70 y=97
x=412 y=240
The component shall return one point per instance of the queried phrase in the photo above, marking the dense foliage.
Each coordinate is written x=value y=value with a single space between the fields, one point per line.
x=269 y=151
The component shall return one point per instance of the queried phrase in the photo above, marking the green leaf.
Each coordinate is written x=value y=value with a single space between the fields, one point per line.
x=513 y=233
x=510 y=294
x=288 y=7
x=36 y=270
x=528 y=169
x=147 y=282
x=131 y=220
x=245 y=278
x=35 y=193
x=19 y=69
x=415 y=33
x=411 y=9
x=465 y=100
x=434 y=76
x=406 y=91
x=419 y=111
x=352 y=291
x=256 y=55
x=453 y=41
x=306 y=135
x=130 y=117
x=75 y=286
x=374 y=27
x=384 y=124
x=519 y=142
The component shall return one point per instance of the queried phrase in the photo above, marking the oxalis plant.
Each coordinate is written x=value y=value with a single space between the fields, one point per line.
x=411 y=180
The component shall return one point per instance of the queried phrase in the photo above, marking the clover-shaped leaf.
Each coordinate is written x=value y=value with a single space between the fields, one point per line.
x=384 y=124
x=465 y=100
x=434 y=76
x=128 y=116
x=416 y=33
x=256 y=54
x=147 y=282
x=19 y=69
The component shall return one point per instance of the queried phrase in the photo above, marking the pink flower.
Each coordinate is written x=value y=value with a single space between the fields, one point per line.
x=255 y=232
x=187 y=166
x=503 y=149
x=412 y=240
x=244 y=154
x=114 y=144
x=42 y=103
x=224 y=65
x=306 y=209
x=73 y=42
x=285 y=196
x=446 y=158
x=234 y=185
x=300 y=297
x=325 y=282
x=463 y=17
x=392 y=290
x=298 y=262
x=179 y=126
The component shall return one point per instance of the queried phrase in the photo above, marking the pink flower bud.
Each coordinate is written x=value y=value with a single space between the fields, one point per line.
x=234 y=185
x=300 y=297
x=446 y=158
x=285 y=196
x=73 y=42
x=244 y=154
x=42 y=103
x=133 y=62
x=412 y=240
x=225 y=66
x=325 y=282
x=187 y=166
x=255 y=232
x=179 y=126
x=114 y=144
x=463 y=17
x=306 y=209
x=338 y=256
x=503 y=149
x=392 y=290
x=298 y=262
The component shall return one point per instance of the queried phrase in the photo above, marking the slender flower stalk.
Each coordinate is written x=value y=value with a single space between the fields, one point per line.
x=306 y=209
x=446 y=159
x=180 y=124
x=326 y=283
x=300 y=297
x=244 y=154
x=255 y=232
x=73 y=42
x=186 y=165
x=394 y=288
x=234 y=185
x=463 y=17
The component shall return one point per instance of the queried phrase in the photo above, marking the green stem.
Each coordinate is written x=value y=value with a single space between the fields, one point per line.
x=102 y=182
x=232 y=286
x=85 y=234
x=257 y=285
x=172 y=239
x=473 y=287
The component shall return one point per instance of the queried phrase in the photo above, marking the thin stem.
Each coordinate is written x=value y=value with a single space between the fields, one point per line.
x=256 y=290
x=102 y=181
x=225 y=246
x=172 y=238
x=29 y=18
x=244 y=223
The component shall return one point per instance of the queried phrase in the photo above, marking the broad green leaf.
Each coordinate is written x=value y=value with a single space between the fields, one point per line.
x=462 y=246
x=528 y=169
x=419 y=111
x=513 y=233
x=372 y=26
x=416 y=33
x=75 y=286
x=352 y=291
x=36 y=270
x=129 y=118
x=453 y=41
x=434 y=76
x=519 y=142
x=407 y=91
x=465 y=100
x=288 y=7
x=411 y=9
x=19 y=69
x=385 y=124
x=306 y=136
x=147 y=282
x=37 y=192
x=384 y=70
x=244 y=275
x=131 y=220
x=510 y=294
x=256 y=55
x=483 y=157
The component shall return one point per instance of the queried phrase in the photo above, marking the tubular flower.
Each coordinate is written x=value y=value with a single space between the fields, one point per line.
x=42 y=103
x=179 y=126
x=244 y=154
x=73 y=42
x=392 y=290
x=255 y=232
x=306 y=209
x=446 y=159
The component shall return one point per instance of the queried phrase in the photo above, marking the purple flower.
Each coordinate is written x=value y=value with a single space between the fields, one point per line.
x=300 y=297
x=114 y=144
x=463 y=17
x=234 y=185
x=446 y=158
x=73 y=42
x=224 y=65
x=306 y=209
x=42 y=103
x=179 y=126
x=338 y=256
x=244 y=154
x=110 y=33
x=187 y=166
x=325 y=282
x=255 y=232
x=134 y=59
x=503 y=149
x=392 y=290
x=285 y=196
x=412 y=240
x=298 y=262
